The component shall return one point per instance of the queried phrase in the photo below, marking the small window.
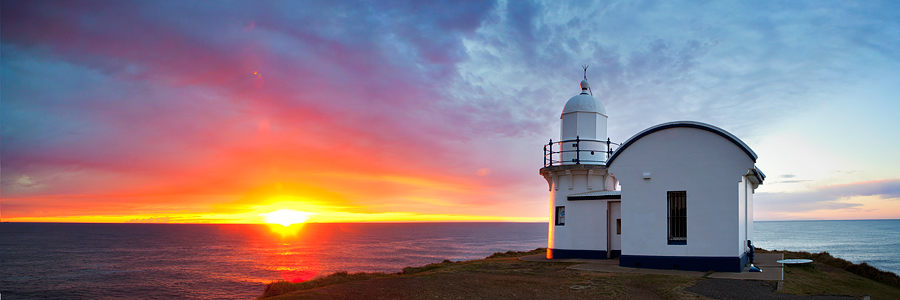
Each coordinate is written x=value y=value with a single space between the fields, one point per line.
x=618 y=226
x=677 y=218
x=560 y=215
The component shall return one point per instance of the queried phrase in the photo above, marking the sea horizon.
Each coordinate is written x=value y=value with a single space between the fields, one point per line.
x=396 y=222
x=65 y=260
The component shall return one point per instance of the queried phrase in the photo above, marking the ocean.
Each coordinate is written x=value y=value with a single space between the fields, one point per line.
x=192 y=261
x=876 y=242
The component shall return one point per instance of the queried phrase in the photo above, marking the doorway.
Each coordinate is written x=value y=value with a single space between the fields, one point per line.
x=615 y=229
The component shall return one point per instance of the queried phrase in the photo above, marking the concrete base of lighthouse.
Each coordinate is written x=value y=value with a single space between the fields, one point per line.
x=567 y=254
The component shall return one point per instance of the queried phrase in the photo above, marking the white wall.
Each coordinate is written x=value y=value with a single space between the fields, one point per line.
x=569 y=126
x=707 y=166
x=615 y=212
x=750 y=212
x=585 y=227
x=586 y=126
x=742 y=213
x=586 y=223
x=746 y=191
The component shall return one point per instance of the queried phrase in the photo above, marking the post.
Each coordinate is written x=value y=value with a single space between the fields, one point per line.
x=577 y=151
x=551 y=152
x=608 y=149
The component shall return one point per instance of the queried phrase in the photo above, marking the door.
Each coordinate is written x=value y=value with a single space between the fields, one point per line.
x=615 y=229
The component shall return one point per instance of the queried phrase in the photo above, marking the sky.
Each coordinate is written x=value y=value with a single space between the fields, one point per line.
x=356 y=111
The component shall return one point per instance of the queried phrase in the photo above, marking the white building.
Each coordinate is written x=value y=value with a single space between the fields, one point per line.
x=686 y=196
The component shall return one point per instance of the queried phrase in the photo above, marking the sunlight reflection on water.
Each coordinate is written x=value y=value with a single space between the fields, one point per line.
x=164 y=261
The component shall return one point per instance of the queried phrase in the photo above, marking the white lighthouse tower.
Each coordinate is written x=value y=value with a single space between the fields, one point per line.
x=585 y=208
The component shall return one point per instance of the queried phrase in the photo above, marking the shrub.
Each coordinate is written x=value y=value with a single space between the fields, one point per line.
x=425 y=268
x=283 y=287
x=518 y=253
x=278 y=288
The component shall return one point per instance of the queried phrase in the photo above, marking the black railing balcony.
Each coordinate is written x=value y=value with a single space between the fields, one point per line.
x=578 y=151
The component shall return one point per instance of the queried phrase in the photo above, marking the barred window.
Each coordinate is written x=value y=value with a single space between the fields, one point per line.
x=677 y=217
x=561 y=215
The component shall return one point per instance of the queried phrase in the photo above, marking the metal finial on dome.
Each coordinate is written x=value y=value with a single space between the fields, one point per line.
x=584 y=83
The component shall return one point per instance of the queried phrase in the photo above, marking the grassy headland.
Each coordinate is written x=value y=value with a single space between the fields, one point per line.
x=835 y=276
x=504 y=276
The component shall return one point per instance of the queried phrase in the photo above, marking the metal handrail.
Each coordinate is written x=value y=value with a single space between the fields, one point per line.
x=548 y=151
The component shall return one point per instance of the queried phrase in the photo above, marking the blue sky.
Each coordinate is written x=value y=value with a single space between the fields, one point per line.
x=203 y=111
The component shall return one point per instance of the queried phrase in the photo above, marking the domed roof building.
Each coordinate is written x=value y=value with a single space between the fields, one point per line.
x=584 y=102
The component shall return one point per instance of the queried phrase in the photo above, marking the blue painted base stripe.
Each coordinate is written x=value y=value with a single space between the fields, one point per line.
x=745 y=259
x=689 y=263
x=566 y=254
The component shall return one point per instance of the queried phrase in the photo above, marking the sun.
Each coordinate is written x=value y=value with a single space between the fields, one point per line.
x=286 y=217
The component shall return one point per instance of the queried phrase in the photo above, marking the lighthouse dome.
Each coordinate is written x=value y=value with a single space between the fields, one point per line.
x=584 y=102
x=583 y=118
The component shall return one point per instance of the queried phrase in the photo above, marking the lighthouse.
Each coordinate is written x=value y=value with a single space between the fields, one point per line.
x=575 y=171
x=685 y=201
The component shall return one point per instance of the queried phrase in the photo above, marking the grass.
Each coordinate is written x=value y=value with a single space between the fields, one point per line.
x=829 y=275
x=503 y=275
x=426 y=268
x=518 y=253
x=283 y=287
x=623 y=286
x=863 y=269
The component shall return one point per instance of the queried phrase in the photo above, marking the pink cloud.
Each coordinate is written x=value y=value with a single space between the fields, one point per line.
x=153 y=105
x=828 y=198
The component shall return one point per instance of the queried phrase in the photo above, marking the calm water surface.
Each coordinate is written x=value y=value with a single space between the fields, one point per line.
x=876 y=242
x=170 y=261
